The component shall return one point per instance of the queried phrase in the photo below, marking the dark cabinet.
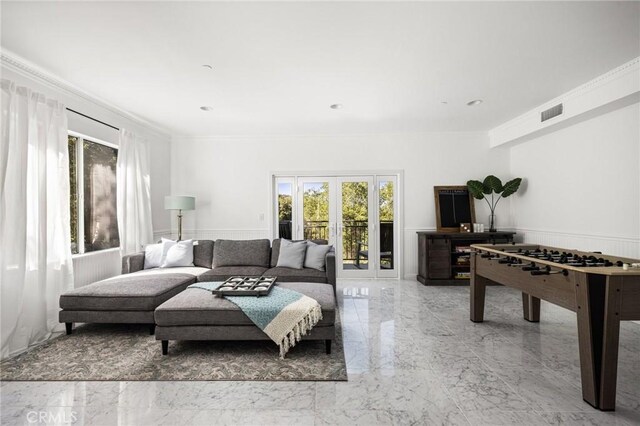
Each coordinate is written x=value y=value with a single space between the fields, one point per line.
x=444 y=257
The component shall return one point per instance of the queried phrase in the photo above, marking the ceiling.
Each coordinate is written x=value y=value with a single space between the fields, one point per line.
x=277 y=67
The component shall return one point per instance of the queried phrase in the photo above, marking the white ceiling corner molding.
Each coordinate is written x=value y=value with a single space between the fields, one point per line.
x=24 y=67
x=326 y=136
x=620 y=86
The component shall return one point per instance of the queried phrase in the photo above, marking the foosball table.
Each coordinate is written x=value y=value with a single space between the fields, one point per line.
x=602 y=290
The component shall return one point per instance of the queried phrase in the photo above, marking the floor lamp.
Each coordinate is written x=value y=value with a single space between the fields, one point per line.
x=179 y=202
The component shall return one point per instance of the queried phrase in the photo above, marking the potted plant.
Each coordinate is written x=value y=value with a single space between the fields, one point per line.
x=492 y=186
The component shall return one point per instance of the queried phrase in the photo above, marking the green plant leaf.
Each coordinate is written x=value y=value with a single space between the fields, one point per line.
x=511 y=187
x=493 y=184
x=476 y=189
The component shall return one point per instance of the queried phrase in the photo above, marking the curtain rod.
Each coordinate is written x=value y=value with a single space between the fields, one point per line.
x=94 y=119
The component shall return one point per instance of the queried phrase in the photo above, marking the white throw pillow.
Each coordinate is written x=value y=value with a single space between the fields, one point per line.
x=316 y=255
x=153 y=256
x=292 y=254
x=157 y=253
x=179 y=254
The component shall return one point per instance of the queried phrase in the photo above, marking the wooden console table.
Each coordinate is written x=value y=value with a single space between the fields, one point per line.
x=594 y=286
x=444 y=257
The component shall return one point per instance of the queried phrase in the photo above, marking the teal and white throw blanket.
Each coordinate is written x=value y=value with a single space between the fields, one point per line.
x=284 y=315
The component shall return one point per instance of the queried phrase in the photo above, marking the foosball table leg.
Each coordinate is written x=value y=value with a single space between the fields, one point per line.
x=531 y=308
x=589 y=314
x=478 y=286
x=599 y=303
x=610 y=343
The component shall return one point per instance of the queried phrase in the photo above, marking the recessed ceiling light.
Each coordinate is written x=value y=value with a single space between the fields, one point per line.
x=336 y=106
x=474 y=102
x=206 y=108
x=444 y=102
x=207 y=66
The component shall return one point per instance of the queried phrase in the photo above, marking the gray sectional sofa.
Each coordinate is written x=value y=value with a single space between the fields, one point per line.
x=159 y=297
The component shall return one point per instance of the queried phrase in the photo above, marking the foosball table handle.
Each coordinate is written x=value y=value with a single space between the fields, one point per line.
x=547 y=271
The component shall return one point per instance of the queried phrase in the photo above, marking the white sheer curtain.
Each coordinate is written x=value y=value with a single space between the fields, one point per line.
x=134 y=193
x=35 y=241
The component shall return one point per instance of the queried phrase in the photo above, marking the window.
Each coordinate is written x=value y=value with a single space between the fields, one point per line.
x=92 y=175
x=284 y=205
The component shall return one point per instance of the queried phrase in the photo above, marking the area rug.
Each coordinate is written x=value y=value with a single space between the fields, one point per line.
x=128 y=352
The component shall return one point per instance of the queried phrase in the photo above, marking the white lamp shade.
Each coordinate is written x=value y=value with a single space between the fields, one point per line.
x=179 y=202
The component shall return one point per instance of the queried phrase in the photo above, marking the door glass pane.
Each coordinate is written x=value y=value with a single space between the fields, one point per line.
x=73 y=192
x=315 y=206
x=355 y=225
x=386 y=225
x=100 y=220
x=285 y=199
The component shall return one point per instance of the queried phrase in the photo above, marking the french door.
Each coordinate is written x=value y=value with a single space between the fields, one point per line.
x=355 y=225
x=356 y=214
x=316 y=214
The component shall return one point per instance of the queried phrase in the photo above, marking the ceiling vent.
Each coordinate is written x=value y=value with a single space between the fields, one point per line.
x=551 y=112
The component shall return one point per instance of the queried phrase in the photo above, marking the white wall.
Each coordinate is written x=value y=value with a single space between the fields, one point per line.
x=230 y=176
x=582 y=185
x=93 y=267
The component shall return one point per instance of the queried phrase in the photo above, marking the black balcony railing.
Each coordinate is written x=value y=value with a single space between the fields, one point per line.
x=355 y=235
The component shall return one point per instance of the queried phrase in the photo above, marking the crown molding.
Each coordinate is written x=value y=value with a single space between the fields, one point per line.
x=620 y=82
x=325 y=136
x=602 y=80
x=26 y=68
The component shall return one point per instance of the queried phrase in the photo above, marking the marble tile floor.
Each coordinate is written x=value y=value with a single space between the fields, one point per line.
x=413 y=357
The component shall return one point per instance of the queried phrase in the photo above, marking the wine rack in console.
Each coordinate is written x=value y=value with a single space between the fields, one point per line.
x=444 y=257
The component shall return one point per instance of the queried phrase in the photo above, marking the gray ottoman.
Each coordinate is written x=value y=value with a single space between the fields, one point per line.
x=130 y=298
x=196 y=314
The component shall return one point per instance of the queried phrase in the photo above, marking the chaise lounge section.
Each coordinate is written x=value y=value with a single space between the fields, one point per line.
x=130 y=299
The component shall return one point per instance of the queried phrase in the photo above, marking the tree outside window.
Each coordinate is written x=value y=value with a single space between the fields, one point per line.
x=92 y=173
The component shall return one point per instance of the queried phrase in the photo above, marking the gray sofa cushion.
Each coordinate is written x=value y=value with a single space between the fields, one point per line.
x=199 y=307
x=221 y=273
x=241 y=253
x=275 y=249
x=107 y=317
x=300 y=275
x=232 y=332
x=316 y=256
x=203 y=254
x=292 y=254
x=131 y=292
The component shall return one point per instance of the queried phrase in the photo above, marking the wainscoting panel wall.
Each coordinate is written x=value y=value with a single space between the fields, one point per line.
x=214 y=234
x=617 y=246
x=92 y=267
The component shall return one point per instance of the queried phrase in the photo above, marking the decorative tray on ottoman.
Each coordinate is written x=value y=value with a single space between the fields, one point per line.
x=245 y=286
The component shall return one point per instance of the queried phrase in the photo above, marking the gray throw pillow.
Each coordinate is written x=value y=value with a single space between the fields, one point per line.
x=316 y=255
x=292 y=254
